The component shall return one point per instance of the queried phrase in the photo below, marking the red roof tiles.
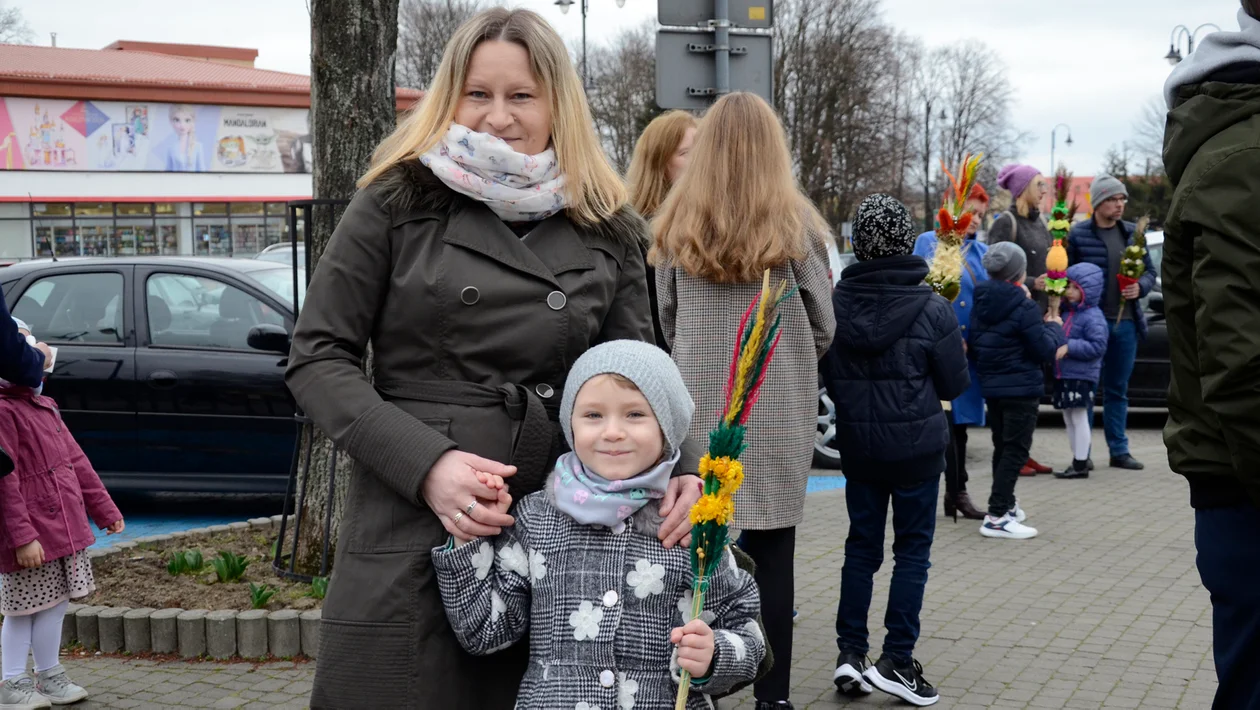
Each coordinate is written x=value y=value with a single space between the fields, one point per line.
x=55 y=72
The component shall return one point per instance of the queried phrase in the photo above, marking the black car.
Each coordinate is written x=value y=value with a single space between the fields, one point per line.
x=169 y=370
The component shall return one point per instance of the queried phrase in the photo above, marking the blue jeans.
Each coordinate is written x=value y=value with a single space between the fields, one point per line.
x=1229 y=565
x=914 y=524
x=1117 y=369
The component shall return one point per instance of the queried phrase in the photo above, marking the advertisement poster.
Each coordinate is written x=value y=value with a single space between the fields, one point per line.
x=51 y=134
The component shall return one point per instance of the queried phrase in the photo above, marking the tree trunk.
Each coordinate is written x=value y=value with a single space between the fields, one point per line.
x=352 y=109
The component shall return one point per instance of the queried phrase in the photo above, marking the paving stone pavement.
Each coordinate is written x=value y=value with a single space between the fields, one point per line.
x=1104 y=609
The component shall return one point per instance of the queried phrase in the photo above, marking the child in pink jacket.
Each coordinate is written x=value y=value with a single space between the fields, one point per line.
x=44 y=535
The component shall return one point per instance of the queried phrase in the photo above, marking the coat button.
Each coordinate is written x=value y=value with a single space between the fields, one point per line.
x=962 y=304
x=606 y=678
x=545 y=391
x=963 y=327
x=470 y=295
x=610 y=598
x=556 y=300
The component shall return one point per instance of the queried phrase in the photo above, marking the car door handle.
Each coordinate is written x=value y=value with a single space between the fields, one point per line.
x=162 y=379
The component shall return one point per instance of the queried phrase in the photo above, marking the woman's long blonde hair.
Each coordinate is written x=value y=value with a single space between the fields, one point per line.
x=648 y=179
x=593 y=188
x=737 y=209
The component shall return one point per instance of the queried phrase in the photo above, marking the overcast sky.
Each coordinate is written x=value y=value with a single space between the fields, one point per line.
x=1086 y=63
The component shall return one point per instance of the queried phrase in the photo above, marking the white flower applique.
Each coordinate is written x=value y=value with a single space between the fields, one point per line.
x=497 y=607
x=684 y=608
x=585 y=621
x=646 y=578
x=585 y=706
x=537 y=566
x=753 y=630
x=482 y=559
x=626 y=690
x=741 y=649
x=513 y=559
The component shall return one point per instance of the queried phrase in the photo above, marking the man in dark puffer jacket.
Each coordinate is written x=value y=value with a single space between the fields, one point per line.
x=897 y=353
x=1011 y=345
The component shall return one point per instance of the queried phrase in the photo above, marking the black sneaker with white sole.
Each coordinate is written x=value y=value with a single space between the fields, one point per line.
x=905 y=681
x=848 y=676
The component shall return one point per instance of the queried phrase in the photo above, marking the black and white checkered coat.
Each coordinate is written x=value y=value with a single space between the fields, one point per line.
x=598 y=606
x=700 y=320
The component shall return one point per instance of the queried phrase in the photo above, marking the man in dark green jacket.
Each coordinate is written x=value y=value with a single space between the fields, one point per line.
x=1211 y=283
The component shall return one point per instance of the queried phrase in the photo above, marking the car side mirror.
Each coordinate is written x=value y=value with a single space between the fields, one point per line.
x=1156 y=304
x=269 y=338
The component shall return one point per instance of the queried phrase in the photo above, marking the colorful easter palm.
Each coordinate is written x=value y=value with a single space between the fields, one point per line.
x=945 y=271
x=1060 y=224
x=720 y=468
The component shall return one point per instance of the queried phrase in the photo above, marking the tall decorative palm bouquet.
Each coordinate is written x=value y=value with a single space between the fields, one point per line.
x=720 y=468
x=945 y=271
x=1060 y=224
x=1133 y=263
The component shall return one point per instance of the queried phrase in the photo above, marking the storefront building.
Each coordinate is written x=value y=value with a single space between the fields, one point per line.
x=149 y=149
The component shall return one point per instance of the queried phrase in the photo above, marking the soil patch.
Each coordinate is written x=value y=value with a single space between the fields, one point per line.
x=138 y=577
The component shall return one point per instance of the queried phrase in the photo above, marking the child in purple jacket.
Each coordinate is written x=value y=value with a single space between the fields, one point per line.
x=44 y=535
x=1080 y=361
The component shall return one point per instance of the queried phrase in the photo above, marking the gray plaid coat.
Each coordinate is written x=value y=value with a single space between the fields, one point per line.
x=598 y=606
x=700 y=320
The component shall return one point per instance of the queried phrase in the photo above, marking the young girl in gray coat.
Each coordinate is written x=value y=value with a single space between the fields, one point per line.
x=606 y=607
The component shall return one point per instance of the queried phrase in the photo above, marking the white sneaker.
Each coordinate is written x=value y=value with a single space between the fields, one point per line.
x=1006 y=527
x=56 y=686
x=19 y=694
x=1018 y=513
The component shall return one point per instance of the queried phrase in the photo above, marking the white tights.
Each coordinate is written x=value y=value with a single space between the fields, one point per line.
x=39 y=632
x=1077 y=421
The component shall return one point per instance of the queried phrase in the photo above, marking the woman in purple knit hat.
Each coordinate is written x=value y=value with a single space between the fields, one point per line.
x=1022 y=223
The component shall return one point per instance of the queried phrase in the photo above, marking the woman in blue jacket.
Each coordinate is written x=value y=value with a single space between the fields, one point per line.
x=967 y=410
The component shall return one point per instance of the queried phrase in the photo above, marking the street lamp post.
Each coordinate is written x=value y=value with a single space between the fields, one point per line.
x=1174 y=55
x=1053 y=136
x=564 y=10
x=928 y=214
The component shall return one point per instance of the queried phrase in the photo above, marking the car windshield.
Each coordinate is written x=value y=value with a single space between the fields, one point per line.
x=1156 y=252
x=279 y=280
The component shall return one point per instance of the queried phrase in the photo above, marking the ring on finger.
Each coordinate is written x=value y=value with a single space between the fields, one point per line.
x=458 y=516
x=470 y=507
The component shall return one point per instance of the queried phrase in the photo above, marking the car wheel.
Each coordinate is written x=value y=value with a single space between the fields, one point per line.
x=825 y=453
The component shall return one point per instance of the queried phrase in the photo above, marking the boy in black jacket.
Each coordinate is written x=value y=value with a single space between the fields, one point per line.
x=1011 y=345
x=898 y=352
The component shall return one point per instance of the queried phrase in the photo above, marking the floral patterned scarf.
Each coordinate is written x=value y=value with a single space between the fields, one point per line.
x=515 y=186
x=590 y=499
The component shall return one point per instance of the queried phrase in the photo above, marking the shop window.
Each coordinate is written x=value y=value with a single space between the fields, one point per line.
x=52 y=209
x=93 y=209
x=135 y=237
x=60 y=239
x=202 y=313
x=276 y=208
x=74 y=308
x=211 y=238
x=166 y=208
x=209 y=208
x=96 y=237
x=246 y=208
x=134 y=209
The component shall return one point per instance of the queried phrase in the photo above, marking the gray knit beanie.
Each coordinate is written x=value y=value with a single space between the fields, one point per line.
x=1105 y=187
x=1005 y=261
x=651 y=370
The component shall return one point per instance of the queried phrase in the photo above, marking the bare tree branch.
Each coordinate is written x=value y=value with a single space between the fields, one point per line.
x=424 y=26
x=622 y=92
x=13 y=27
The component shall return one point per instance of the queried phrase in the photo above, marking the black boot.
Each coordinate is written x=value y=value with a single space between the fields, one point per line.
x=1126 y=461
x=1078 y=469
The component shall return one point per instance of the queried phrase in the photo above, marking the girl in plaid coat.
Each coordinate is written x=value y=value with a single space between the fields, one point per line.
x=606 y=606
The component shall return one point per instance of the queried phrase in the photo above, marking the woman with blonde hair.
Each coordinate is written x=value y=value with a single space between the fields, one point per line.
x=659 y=159
x=737 y=211
x=489 y=246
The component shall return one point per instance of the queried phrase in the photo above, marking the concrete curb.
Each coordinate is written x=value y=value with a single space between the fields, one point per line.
x=197 y=632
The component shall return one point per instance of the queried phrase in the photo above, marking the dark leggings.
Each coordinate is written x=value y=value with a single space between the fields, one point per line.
x=773 y=551
x=956 y=458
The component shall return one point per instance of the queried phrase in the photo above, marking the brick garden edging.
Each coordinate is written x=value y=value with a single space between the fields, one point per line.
x=192 y=633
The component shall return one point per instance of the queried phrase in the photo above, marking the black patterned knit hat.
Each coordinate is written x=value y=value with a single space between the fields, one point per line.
x=882 y=228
